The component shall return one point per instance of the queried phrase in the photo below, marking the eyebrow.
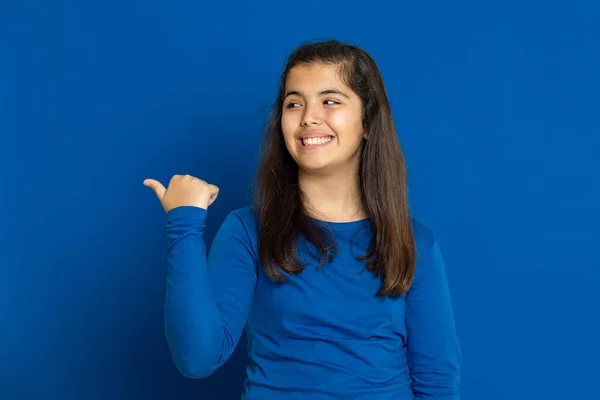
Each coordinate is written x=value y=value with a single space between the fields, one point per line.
x=321 y=93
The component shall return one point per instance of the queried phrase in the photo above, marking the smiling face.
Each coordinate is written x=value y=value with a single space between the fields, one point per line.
x=321 y=119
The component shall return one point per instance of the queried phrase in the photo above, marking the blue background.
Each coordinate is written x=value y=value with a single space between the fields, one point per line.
x=497 y=108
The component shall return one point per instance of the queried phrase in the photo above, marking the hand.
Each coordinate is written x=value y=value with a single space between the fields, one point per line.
x=184 y=190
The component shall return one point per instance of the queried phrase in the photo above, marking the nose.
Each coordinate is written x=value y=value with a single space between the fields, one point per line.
x=312 y=115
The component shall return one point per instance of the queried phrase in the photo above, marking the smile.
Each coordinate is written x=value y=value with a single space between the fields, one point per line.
x=316 y=141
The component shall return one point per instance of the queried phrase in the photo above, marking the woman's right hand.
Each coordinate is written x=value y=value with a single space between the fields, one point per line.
x=184 y=190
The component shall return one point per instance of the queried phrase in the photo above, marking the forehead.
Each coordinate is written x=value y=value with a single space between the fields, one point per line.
x=313 y=77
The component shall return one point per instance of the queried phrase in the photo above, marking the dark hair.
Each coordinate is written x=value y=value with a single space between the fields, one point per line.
x=281 y=214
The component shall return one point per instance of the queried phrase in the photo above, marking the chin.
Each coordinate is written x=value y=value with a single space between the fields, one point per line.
x=313 y=166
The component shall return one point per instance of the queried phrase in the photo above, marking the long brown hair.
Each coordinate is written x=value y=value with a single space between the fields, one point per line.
x=278 y=201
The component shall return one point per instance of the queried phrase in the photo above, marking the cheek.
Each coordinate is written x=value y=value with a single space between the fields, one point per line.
x=288 y=123
x=346 y=124
x=287 y=128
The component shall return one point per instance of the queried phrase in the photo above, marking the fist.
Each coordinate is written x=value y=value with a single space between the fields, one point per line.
x=184 y=190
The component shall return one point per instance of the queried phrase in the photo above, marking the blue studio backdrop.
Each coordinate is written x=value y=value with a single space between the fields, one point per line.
x=497 y=109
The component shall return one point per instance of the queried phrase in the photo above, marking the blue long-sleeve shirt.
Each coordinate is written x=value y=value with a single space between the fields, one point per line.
x=320 y=335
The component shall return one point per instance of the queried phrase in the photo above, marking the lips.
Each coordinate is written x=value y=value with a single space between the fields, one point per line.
x=314 y=143
x=316 y=140
x=312 y=134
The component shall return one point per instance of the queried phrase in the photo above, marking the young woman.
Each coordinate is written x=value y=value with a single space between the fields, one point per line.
x=342 y=293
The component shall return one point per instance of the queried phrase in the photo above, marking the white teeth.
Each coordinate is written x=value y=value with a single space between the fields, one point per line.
x=319 y=140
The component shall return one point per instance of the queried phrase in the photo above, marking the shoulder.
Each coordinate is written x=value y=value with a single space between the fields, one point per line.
x=244 y=217
x=242 y=224
x=423 y=233
x=429 y=258
x=237 y=235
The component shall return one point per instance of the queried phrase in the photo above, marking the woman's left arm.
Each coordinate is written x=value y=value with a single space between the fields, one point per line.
x=433 y=351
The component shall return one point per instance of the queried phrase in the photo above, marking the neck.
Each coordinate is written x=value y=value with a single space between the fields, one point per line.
x=333 y=197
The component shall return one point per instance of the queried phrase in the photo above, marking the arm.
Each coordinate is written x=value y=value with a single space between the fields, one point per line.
x=433 y=351
x=207 y=301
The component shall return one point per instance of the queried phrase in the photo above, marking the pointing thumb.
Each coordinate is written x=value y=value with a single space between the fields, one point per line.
x=158 y=188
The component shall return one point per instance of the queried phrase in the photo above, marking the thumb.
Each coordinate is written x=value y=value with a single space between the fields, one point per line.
x=158 y=188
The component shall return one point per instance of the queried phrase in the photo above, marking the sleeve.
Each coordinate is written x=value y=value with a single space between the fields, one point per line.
x=433 y=351
x=207 y=298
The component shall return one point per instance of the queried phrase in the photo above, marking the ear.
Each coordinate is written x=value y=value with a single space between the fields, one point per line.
x=365 y=135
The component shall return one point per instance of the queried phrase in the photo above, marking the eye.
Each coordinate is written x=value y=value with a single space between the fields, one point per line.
x=292 y=105
x=331 y=102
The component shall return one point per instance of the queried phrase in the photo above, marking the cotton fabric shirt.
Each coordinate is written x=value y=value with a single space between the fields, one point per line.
x=322 y=334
